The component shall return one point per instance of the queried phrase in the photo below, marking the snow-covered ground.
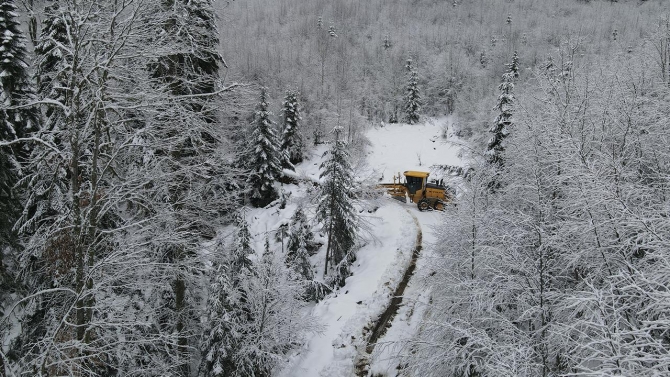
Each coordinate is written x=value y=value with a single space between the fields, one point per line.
x=399 y=147
x=384 y=360
x=364 y=296
x=380 y=262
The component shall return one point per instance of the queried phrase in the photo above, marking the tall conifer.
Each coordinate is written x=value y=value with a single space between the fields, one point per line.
x=227 y=310
x=15 y=83
x=514 y=65
x=336 y=210
x=265 y=155
x=15 y=90
x=503 y=121
x=300 y=242
x=292 y=143
x=412 y=103
x=51 y=62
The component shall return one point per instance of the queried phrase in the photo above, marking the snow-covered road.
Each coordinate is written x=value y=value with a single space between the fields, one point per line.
x=364 y=296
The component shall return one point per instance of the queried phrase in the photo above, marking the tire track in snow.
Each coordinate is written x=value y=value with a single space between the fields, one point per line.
x=386 y=318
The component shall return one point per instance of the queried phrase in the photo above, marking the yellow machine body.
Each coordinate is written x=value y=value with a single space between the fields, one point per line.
x=416 y=187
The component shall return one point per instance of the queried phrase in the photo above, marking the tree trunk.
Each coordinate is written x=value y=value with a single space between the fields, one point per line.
x=330 y=238
x=180 y=306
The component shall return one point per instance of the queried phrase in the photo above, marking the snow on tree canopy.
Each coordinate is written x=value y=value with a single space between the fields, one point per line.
x=266 y=160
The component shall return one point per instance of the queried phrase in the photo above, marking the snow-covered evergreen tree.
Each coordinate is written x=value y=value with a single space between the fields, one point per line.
x=266 y=158
x=513 y=67
x=300 y=247
x=53 y=62
x=226 y=304
x=299 y=244
x=242 y=243
x=51 y=59
x=47 y=188
x=193 y=69
x=412 y=99
x=15 y=90
x=218 y=340
x=10 y=207
x=292 y=143
x=15 y=83
x=502 y=123
x=336 y=209
x=255 y=317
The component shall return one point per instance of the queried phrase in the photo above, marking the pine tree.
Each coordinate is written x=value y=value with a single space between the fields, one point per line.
x=255 y=316
x=242 y=243
x=10 y=207
x=15 y=90
x=9 y=210
x=336 y=210
x=194 y=69
x=217 y=341
x=265 y=161
x=15 y=83
x=513 y=67
x=412 y=102
x=503 y=121
x=227 y=304
x=299 y=244
x=300 y=247
x=292 y=143
x=51 y=61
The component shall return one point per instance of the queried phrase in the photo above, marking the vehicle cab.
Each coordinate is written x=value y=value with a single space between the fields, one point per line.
x=415 y=182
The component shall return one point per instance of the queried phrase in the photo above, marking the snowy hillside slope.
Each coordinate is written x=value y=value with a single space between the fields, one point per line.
x=347 y=314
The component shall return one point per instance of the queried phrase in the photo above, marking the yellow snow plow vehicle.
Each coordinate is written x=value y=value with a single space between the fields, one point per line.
x=415 y=186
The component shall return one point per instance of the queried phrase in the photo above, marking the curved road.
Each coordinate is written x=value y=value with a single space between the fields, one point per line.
x=385 y=319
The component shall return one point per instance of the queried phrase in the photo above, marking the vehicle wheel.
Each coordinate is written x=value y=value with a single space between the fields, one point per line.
x=423 y=205
x=438 y=205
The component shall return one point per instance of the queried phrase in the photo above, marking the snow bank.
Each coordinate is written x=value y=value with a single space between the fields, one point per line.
x=376 y=272
x=352 y=340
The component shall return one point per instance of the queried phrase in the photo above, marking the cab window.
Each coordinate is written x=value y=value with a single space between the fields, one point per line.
x=414 y=184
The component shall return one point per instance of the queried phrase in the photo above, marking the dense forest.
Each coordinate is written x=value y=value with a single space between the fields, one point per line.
x=135 y=136
x=348 y=58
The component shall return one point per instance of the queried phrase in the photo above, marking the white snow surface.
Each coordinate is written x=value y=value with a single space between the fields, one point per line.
x=385 y=361
x=400 y=147
x=362 y=299
x=381 y=261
